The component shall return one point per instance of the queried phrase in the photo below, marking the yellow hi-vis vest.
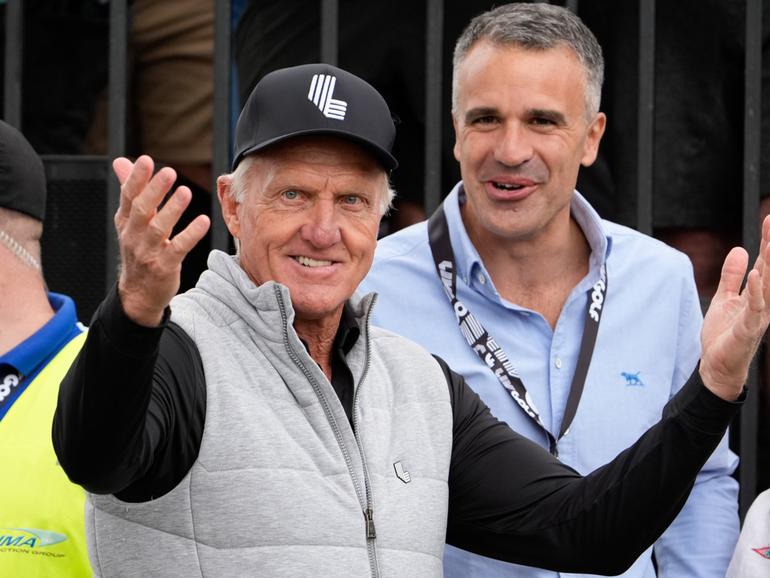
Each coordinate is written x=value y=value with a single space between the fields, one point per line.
x=41 y=511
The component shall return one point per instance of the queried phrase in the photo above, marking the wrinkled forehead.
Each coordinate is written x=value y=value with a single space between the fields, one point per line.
x=314 y=161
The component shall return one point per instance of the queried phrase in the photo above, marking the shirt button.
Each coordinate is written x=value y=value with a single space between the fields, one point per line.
x=482 y=279
x=557 y=363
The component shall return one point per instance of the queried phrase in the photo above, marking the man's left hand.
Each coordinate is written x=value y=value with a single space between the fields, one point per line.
x=736 y=320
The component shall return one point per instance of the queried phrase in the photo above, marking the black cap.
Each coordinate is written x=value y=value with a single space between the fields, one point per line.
x=22 y=178
x=315 y=99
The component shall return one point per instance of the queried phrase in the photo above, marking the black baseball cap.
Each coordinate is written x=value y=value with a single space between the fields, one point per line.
x=22 y=178
x=315 y=99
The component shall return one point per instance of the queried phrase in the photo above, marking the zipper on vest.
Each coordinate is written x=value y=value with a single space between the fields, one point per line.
x=364 y=498
x=371 y=534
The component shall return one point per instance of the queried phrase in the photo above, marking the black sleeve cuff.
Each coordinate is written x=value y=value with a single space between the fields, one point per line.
x=701 y=409
x=123 y=333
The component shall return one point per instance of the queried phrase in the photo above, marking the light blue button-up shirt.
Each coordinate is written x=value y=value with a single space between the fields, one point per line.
x=648 y=345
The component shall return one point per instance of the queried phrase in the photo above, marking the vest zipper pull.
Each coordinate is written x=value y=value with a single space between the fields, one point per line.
x=369 y=515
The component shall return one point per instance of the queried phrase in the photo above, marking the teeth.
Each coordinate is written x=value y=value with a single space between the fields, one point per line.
x=308 y=262
x=507 y=187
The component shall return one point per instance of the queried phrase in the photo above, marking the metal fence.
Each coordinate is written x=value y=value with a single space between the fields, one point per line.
x=98 y=192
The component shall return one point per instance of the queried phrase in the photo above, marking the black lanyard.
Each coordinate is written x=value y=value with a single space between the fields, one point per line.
x=491 y=353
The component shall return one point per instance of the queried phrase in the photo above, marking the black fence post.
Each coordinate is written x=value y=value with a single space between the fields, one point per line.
x=222 y=113
x=329 y=31
x=752 y=126
x=434 y=39
x=646 y=116
x=116 y=125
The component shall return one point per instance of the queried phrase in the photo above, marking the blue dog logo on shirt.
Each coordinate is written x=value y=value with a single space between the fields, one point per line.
x=632 y=378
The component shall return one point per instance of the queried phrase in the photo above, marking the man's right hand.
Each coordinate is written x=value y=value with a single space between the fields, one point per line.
x=151 y=261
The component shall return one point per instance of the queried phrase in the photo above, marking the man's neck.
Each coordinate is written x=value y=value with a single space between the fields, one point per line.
x=318 y=335
x=537 y=273
x=24 y=307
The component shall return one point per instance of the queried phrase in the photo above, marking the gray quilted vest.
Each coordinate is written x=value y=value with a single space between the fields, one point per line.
x=283 y=487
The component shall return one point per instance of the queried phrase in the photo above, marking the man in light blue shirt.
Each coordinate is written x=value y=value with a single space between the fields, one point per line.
x=574 y=330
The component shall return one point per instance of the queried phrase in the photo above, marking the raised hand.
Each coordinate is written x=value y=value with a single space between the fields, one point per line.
x=151 y=261
x=736 y=320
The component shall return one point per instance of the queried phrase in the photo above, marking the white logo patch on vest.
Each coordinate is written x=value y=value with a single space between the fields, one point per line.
x=321 y=93
x=401 y=473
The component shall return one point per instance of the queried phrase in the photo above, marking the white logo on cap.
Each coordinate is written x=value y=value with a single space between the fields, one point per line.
x=321 y=91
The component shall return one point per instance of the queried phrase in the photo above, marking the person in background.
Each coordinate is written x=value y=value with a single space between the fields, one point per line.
x=41 y=511
x=752 y=553
x=171 y=114
x=547 y=310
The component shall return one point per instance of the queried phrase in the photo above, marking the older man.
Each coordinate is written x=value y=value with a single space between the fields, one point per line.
x=260 y=426
x=594 y=326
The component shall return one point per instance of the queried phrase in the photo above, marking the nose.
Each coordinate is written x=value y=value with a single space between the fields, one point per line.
x=514 y=147
x=322 y=228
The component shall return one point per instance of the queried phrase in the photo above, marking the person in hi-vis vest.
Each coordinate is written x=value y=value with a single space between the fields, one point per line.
x=41 y=511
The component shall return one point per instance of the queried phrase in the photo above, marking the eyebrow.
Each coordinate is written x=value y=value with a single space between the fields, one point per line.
x=480 y=111
x=552 y=115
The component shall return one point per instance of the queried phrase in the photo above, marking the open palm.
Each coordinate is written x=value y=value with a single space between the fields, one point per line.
x=736 y=320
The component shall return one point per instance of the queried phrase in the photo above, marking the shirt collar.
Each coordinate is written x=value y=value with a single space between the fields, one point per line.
x=46 y=341
x=467 y=259
x=348 y=332
x=597 y=235
x=466 y=256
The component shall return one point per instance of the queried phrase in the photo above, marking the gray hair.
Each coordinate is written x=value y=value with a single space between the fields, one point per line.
x=241 y=181
x=536 y=26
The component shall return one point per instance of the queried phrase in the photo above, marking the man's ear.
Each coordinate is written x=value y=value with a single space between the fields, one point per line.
x=593 y=138
x=229 y=205
x=456 y=148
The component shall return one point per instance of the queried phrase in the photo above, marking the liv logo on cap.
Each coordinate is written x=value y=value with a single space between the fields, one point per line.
x=321 y=92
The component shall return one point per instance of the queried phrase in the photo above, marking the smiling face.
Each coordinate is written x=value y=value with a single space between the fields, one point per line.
x=309 y=220
x=522 y=133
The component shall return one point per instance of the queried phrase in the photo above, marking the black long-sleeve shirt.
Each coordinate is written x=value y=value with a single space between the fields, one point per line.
x=131 y=414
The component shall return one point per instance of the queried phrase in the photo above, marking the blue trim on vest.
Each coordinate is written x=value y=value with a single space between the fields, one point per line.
x=31 y=355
